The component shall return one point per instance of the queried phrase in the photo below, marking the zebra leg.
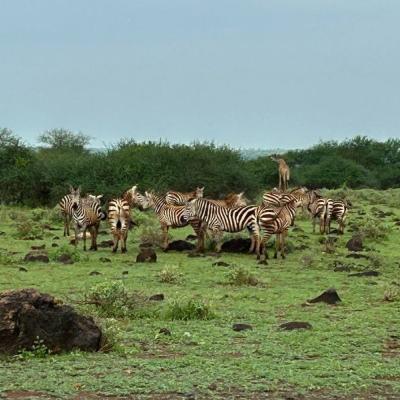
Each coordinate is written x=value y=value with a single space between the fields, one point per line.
x=283 y=242
x=66 y=225
x=93 y=233
x=76 y=236
x=277 y=244
x=165 y=236
x=84 y=239
x=123 y=242
x=218 y=239
x=314 y=222
x=116 y=240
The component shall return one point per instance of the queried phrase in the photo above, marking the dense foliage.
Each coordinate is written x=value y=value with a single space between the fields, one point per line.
x=40 y=176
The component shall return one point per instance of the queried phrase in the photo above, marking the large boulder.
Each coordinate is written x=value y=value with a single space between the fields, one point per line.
x=355 y=244
x=237 y=245
x=27 y=316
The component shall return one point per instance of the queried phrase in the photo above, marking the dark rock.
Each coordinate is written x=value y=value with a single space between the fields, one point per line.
x=22 y=269
x=165 y=331
x=157 y=297
x=54 y=245
x=357 y=255
x=355 y=244
x=104 y=259
x=125 y=272
x=220 y=264
x=180 y=245
x=146 y=255
x=397 y=223
x=94 y=273
x=241 y=327
x=40 y=247
x=27 y=315
x=238 y=245
x=105 y=244
x=330 y=296
x=196 y=254
x=289 y=326
x=65 y=259
x=262 y=262
x=56 y=238
x=37 y=256
x=365 y=273
x=2 y=233
x=191 y=237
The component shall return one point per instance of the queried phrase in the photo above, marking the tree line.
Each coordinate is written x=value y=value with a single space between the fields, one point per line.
x=39 y=176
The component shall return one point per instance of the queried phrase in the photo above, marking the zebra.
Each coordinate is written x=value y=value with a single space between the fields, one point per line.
x=67 y=204
x=168 y=215
x=221 y=219
x=272 y=220
x=321 y=208
x=178 y=198
x=119 y=218
x=279 y=199
x=87 y=216
x=339 y=213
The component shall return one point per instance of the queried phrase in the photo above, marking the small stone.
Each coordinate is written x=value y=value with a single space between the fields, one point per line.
x=22 y=269
x=157 y=297
x=54 y=245
x=105 y=259
x=94 y=273
x=165 y=331
x=289 y=326
x=241 y=327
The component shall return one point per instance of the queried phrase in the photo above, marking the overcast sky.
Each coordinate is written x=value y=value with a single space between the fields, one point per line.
x=250 y=73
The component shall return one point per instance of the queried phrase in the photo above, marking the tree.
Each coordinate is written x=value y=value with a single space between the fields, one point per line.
x=64 y=139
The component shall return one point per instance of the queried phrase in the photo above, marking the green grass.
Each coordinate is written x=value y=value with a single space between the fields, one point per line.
x=345 y=352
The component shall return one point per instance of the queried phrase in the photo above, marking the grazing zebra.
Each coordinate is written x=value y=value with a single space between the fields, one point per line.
x=339 y=214
x=321 y=208
x=221 y=219
x=67 y=204
x=87 y=216
x=273 y=220
x=119 y=218
x=169 y=216
x=179 y=198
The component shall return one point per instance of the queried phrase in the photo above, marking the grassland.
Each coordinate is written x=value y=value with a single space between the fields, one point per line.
x=352 y=350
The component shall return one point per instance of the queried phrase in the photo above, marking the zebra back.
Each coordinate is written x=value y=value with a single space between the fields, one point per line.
x=119 y=215
x=180 y=198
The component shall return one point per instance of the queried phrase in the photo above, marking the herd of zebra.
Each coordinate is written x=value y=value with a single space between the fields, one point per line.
x=273 y=216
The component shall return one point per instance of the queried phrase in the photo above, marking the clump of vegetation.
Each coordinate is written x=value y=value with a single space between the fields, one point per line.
x=170 y=274
x=112 y=336
x=38 y=214
x=392 y=293
x=28 y=230
x=240 y=276
x=307 y=260
x=189 y=309
x=74 y=254
x=374 y=229
x=38 y=350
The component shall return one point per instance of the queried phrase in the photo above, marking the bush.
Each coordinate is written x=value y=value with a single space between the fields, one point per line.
x=189 y=309
x=66 y=249
x=28 y=230
x=240 y=276
x=112 y=335
x=374 y=229
x=392 y=293
x=170 y=274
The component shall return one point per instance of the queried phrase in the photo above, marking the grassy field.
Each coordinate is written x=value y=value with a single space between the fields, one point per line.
x=352 y=350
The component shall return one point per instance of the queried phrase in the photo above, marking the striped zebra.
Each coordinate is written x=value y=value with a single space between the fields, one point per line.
x=221 y=219
x=67 y=204
x=133 y=197
x=168 y=215
x=321 y=208
x=275 y=198
x=87 y=216
x=272 y=220
x=178 y=198
x=339 y=213
x=119 y=219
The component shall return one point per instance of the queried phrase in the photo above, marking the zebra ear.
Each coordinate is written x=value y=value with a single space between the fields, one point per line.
x=99 y=196
x=134 y=188
x=240 y=194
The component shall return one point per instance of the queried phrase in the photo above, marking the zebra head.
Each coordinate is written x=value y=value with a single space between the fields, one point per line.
x=199 y=192
x=189 y=213
x=94 y=199
x=148 y=200
x=75 y=195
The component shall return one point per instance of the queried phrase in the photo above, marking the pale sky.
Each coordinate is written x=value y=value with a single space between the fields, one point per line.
x=250 y=73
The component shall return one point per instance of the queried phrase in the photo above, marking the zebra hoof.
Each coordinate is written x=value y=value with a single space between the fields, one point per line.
x=114 y=250
x=124 y=250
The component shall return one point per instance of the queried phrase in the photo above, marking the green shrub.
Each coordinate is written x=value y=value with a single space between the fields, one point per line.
x=170 y=274
x=392 y=293
x=38 y=350
x=66 y=249
x=188 y=309
x=374 y=229
x=240 y=276
x=28 y=229
x=112 y=335
x=38 y=214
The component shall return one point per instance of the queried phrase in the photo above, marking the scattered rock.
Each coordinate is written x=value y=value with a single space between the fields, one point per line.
x=40 y=247
x=105 y=244
x=54 y=245
x=104 y=259
x=241 y=327
x=330 y=296
x=125 y=272
x=220 y=264
x=56 y=238
x=365 y=273
x=165 y=331
x=262 y=262
x=26 y=315
x=147 y=254
x=191 y=237
x=37 y=256
x=212 y=386
x=22 y=269
x=290 y=326
x=357 y=255
x=65 y=259
x=2 y=233
x=180 y=245
x=157 y=297
x=237 y=245
x=355 y=244
x=94 y=273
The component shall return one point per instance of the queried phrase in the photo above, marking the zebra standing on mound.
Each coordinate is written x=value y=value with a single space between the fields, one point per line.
x=87 y=216
x=220 y=219
x=119 y=218
x=272 y=220
x=178 y=198
x=67 y=204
